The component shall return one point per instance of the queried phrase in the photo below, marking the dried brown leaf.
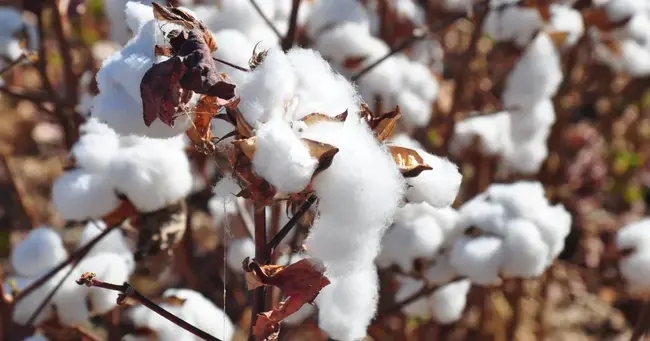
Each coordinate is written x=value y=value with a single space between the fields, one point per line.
x=353 y=62
x=247 y=146
x=318 y=117
x=180 y=17
x=409 y=162
x=244 y=129
x=161 y=91
x=383 y=125
x=558 y=38
x=322 y=152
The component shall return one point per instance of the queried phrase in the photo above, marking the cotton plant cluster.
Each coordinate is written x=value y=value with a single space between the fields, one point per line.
x=12 y=26
x=42 y=250
x=623 y=41
x=151 y=173
x=344 y=33
x=188 y=305
x=518 y=134
x=633 y=243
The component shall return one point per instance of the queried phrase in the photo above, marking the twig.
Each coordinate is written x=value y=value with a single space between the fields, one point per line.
x=234 y=66
x=74 y=257
x=425 y=291
x=641 y=325
x=128 y=291
x=290 y=224
x=261 y=256
x=289 y=38
x=268 y=21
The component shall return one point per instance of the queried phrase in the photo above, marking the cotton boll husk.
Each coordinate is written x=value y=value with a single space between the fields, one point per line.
x=78 y=195
x=540 y=62
x=96 y=146
x=204 y=313
x=491 y=130
x=479 y=259
x=513 y=23
x=448 y=302
x=151 y=175
x=238 y=250
x=111 y=268
x=527 y=254
x=319 y=88
x=268 y=88
x=438 y=186
x=42 y=249
x=119 y=101
x=569 y=20
x=282 y=158
x=415 y=111
x=347 y=305
x=328 y=13
x=114 y=242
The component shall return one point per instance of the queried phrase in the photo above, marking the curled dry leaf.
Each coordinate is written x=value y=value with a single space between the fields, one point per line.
x=353 y=62
x=558 y=38
x=409 y=162
x=382 y=125
x=247 y=146
x=180 y=17
x=318 y=117
x=300 y=283
x=322 y=152
x=124 y=211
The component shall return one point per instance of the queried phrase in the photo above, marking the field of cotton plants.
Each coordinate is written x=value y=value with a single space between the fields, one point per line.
x=230 y=170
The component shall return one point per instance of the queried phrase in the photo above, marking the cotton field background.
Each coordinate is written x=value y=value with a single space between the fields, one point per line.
x=324 y=170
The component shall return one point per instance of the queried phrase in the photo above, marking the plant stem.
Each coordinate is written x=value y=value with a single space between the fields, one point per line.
x=128 y=291
x=240 y=68
x=268 y=21
x=290 y=224
x=289 y=38
x=50 y=295
x=261 y=256
x=641 y=325
x=29 y=217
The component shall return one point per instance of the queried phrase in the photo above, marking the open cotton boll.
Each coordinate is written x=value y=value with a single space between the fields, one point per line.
x=618 y=10
x=421 y=81
x=569 y=20
x=416 y=111
x=633 y=267
x=492 y=131
x=329 y=13
x=235 y=48
x=78 y=195
x=238 y=250
x=531 y=121
x=282 y=158
x=438 y=186
x=96 y=146
x=528 y=254
x=119 y=101
x=479 y=259
x=513 y=23
x=114 y=242
x=540 y=62
x=42 y=249
x=407 y=287
x=117 y=20
x=520 y=199
x=448 y=302
x=527 y=158
x=632 y=58
x=151 y=175
x=346 y=306
x=554 y=224
x=137 y=14
x=241 y=15
x=349 y=40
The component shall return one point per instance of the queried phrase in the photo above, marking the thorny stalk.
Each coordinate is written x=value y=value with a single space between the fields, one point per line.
x=262 y=257
x=128 y=291
x=268 y=21
x=287 y=41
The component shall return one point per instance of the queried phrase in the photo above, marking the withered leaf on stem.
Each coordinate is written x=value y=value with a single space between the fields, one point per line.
x=247 y=146
x=180 y=17
x=162 y=95
x=299 y=282
x=409 y=162
x=322 y=152
x=383 y=125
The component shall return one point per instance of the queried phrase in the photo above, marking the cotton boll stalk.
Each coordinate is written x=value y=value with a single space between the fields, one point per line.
x=111 y=268
x=42 y=249
x=238 y=250
x=479 y=259
x=448 y=302
x=438 y=186
x=78 y=195
x=282 y=158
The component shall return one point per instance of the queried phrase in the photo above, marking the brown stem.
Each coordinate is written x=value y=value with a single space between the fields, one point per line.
x=514 y=299
x=245 y=217
x=268 y=21
x=240 y=68
x=18 y=61
x=29 y=217
x=112 y=319
x=64 y=48
x=261 y=256
x=290 y=224
x=128 y=291
x=287 y=41
x=49 y=296
x=641 y=325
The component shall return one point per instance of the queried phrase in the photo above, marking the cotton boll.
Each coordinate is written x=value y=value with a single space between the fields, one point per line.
x=36 y=338
x=490 y=129
x=382 y=81
x=635 y=237
x=569 y=20
x=442 y=271
x=238 y=250
x=404 y=140
x=350 y=40
x=416 y=112
x=481 y=214
x=554 y=224
x=618 y=10
x=282 y=158
x=221 y=208
x=11 y=23
x=527 y=158
x=151 y=175
x=136 y=14
x=540 y=62
x=166 y=330
x=204 y=313
x=449 y=301
x=479 y=259
x=235 y=48
x=114 y=242
x=438 y=186
x=421 y=81
x=513 y=23
x=241 y=15
x=111 y=268
x=78 y=195
x=347 y=305
x=521 y=199
x=42 y=249
x=407 y=287
x=96 y=146
x=329 y=13
x=532 y=121
x=528 y=254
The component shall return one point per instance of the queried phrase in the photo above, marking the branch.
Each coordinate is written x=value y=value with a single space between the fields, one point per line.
x=268 y=21
x=288 y=40
x=642 y=323
x=49 y=296
x=28 y=214
x=290 y=224
x=240 y=68
x=261 y=256
x=128 y=291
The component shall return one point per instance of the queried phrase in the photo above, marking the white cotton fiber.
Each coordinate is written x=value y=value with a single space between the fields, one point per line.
x=330 y=13
x=96 y=146
x=115 y=242
x=491 y=130
x=479 y=259
x=78 y=195
x=513 y=23
x=238 y=250
x=635 y=237
x=568 y=20
x=448 y=302
x=438 y=186
x=42 y=249
x=282 y=158
x=110 y=268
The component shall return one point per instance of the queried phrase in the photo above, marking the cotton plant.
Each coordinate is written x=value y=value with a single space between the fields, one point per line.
x=633 y=243
x=13 y=25
x=188 y=305
x=512 y=231
x=445 y=305
x=42 y=250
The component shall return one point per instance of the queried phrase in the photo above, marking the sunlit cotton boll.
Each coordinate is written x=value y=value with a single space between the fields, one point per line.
x=78 y=195
x=569 y=20
x=96 y=146
x=151 y=174
x=114 y=242
x=513 y=23
x=491 y=130
x=235 y=48
x=111 y=268
x=438 y=186
x=119 y=102
x=330 y=13
x=633 y=240
x=41 y=250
